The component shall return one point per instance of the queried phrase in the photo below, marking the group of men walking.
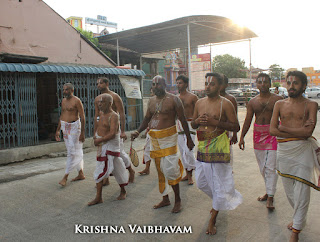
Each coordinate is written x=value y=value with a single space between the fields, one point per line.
x=172 y=122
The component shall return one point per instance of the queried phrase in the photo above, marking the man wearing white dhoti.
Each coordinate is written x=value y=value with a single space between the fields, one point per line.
x=213 y=117
x=232 y=135
x=264 y=144
x=72 y=123
x=188 y=100
x=146 y=156
x=107 y=139
x=296 y=157
x=161 y=118
x=117 y=106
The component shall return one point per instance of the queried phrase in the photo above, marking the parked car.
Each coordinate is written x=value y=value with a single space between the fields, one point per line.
x=243 y=98
x=282 y=91
x=199 y=93
x=233 y=91
x=313 y=92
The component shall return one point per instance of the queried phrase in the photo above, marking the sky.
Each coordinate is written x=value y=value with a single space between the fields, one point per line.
x=288 y=30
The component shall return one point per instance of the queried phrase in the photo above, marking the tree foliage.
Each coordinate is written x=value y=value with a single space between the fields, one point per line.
x=276 y=72
x=276 y=84
x=95 y=41
x=89 y=36
x=232 y=67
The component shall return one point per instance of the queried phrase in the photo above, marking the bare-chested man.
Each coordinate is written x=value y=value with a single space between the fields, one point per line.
x=232 y=99
x=117 y=106
x=296 y=158
x=73 y=132
x=213 y=117
x=107 y=138
x=265 y=145
x=189 y=101
x=161 y=114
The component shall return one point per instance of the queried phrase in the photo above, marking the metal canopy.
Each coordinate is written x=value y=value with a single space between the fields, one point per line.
x=204 y=29
x=13 y=67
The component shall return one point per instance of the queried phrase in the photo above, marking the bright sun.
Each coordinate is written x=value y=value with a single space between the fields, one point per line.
x=243 y=21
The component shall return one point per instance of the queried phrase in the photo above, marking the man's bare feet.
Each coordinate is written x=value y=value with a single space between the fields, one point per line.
x=95 y=201
x=263 y=198
x=163 y=203
x=289 y=226
x=105 y=182
x=185 y=178
x=63 y=182
x=122 y=196
x=131 y=175
x=144 y=172
x=190 y=181
x=294 y=237
x=270 y=203
x=177 y=207
x=79 y=177
x=212 y=229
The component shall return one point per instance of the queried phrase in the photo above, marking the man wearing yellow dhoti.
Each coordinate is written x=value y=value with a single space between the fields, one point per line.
x=296 y=156
x=161 y=115
x=213 y=117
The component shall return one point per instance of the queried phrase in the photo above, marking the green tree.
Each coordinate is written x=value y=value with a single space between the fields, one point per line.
x=276 y=84
x=89 y=36
x=95 y=41
x=276 y=72
x=232 y=67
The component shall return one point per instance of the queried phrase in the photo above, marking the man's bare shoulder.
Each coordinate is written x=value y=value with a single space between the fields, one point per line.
x=226 y=101
x=114 y=95
x=172 y=97
x=282 y=101
x=191 y=95
x=230 y=97
x=76 y=99
x=96 y=98
x=114 y=115
x=276 y=96
x=254 y=99
x=153 y=98
x=312 y=102
x=201 y=100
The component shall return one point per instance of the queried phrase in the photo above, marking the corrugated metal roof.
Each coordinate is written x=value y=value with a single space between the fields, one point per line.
x=14 y=67
x=169 y=35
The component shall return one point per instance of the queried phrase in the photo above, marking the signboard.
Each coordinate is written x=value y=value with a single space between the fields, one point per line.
x=200 y=66
x=131 y=87
x=101 y=21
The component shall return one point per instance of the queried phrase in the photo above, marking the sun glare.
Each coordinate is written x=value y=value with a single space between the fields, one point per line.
x=243 y=21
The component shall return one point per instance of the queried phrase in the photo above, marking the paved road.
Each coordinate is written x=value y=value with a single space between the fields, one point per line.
x=34 y=207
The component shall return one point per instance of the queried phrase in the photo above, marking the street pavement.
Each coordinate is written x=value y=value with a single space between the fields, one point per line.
x=34 y=207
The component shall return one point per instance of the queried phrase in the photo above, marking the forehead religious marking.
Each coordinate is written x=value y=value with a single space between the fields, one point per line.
x=291 y=78
x=156 y=80
x=210 y=79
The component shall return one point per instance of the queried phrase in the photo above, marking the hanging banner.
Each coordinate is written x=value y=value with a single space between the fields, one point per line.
x=200 y=66
x=131 y=87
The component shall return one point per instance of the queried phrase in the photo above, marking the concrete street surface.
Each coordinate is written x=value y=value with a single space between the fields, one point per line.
x=34 y=207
